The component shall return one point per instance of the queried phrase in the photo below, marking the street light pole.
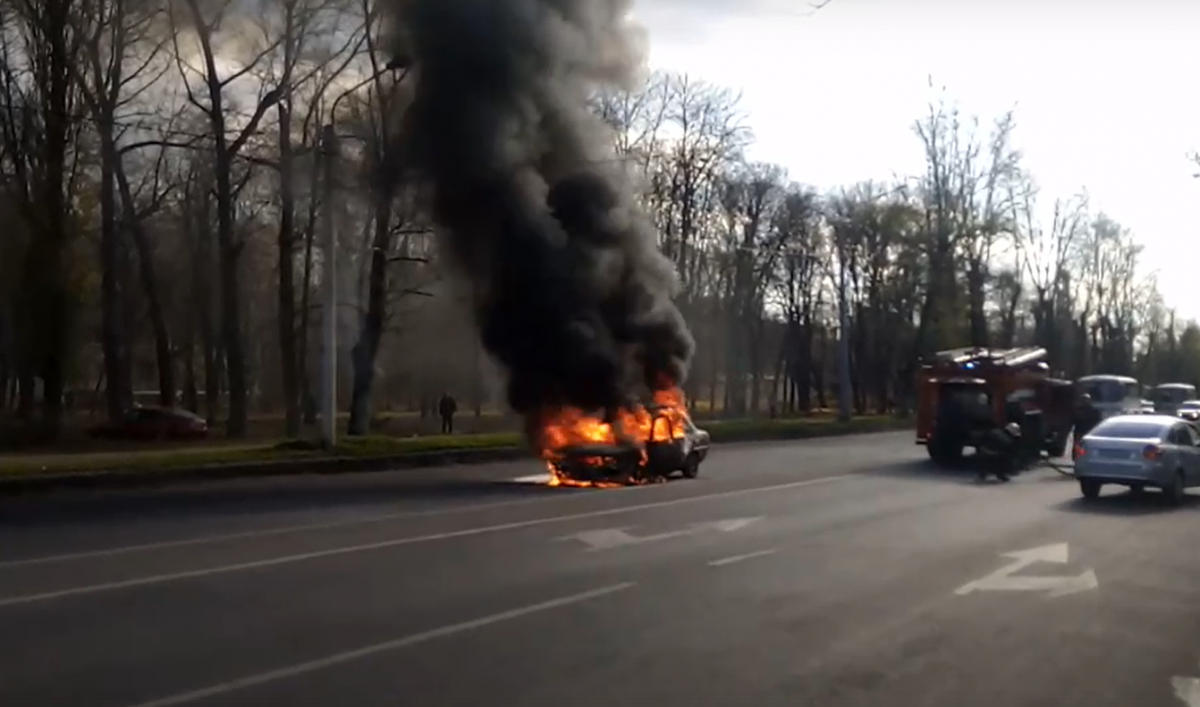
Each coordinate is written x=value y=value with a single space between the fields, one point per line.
x=329 y=359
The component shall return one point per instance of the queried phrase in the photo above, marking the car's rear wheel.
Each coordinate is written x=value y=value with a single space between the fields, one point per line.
x=1177 y=490
x=1089 y=488
x=691 y=467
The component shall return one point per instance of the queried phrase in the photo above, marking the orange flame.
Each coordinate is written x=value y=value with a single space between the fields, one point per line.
x=637 y=426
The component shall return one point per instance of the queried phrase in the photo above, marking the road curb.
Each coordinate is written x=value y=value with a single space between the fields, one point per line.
x=22 y=484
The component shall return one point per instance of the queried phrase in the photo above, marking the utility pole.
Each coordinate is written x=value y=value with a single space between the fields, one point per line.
x=329 y=357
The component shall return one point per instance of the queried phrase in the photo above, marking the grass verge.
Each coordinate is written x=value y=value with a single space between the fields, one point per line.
x=366 y=453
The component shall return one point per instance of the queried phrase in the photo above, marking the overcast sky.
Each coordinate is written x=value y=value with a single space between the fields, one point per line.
x=1107 y=94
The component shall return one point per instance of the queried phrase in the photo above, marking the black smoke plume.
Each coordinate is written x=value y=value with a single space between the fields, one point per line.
x=571 y=293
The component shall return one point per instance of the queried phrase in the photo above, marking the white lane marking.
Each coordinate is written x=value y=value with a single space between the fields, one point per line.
x=262 y=533
x=406 y=642
x=285 y=530
x=738 y=558
x=398 y=542
x=1187 y=690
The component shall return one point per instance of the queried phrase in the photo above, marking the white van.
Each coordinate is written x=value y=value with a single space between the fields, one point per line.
x=1112 y=395
x=1169 y=396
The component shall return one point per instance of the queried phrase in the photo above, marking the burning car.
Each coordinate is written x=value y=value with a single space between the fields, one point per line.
x=639 y=444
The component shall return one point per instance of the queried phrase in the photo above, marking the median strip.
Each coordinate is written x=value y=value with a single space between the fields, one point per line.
x=29 y=473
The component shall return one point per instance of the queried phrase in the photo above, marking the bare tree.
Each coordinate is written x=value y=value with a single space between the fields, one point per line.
x=123 y=40
x=798 y=223
x=388 y=178
x=211 y=99
x=1044 y=255
x=41 y=127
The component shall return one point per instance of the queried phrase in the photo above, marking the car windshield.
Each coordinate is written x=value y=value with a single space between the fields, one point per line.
x=1105 y=391
x=1128 y=429
x=1173 y=394
x=1190 y=405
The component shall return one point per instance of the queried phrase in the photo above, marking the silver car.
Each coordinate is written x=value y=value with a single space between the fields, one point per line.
x=1139 y=451
x=1189 y=410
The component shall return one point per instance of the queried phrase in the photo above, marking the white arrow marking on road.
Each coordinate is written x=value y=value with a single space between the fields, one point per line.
x=605 y=539
x=728 y=526
x=1058 y=553
x=609 y=538
x=1187 y=690
x=739 y=558
x=1002 y=580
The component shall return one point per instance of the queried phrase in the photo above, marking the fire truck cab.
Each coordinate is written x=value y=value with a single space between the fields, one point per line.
x=969 y=397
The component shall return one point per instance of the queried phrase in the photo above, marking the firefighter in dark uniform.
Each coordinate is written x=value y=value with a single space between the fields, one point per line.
x=1086 y=416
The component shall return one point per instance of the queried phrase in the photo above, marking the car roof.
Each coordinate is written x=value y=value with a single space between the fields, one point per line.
x=1156 y=419
x=1106 y=377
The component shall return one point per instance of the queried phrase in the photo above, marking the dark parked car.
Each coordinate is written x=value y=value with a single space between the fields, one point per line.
x=146 y=423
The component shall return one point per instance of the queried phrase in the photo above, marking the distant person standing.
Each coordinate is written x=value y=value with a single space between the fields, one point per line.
x=447 y=406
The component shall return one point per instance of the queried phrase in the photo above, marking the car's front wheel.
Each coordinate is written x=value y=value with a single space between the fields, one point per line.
x=691 y=467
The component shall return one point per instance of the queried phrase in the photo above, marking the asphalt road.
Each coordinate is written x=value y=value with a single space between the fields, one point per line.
x=838 y=572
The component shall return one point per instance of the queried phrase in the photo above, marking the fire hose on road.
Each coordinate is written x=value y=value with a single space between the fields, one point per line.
x=1066 y=468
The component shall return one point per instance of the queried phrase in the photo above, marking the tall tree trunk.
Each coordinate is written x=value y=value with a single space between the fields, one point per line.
x=819 y=366
x=937 y=296
x=1009 y=328
x=777 y=382
x=111 y=325
x=205 y=270
x=130 y=306
x=309 y=403
x=976 y=280
x=805 y=373
x=308 y=400
x=191 y=395
x=167 y=387
x=371 y=331
x=286 y=317
x=50 y=248
x=229 y=254
x=754 y=351
x=286 y=293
